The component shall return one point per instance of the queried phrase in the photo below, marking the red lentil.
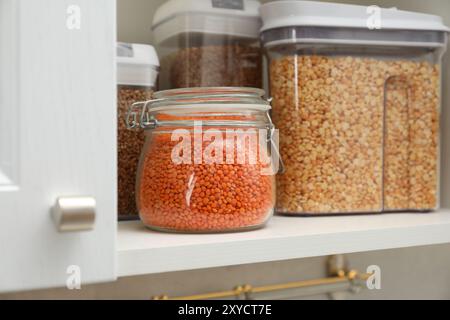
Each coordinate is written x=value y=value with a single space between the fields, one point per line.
x=200 y=197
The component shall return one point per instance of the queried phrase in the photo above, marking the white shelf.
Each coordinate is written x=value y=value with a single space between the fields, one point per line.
x=145 y=252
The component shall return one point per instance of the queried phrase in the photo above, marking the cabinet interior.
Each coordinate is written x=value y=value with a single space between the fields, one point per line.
x=134 y=25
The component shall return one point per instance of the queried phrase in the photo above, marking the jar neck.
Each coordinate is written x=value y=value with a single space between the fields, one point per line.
x=208 y=93
x=213 y=107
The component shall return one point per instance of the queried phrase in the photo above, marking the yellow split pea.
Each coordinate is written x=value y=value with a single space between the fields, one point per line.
x=357 y=134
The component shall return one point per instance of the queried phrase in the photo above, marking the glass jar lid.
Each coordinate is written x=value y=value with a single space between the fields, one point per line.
x=218 y=106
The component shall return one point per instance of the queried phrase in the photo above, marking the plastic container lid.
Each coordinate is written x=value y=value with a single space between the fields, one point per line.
x=238 y=18
x=280 y=14
x=137 y=65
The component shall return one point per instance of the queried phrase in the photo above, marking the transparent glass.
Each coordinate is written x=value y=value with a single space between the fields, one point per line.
x=359 y=124
x=204 y=60
x=206 y=166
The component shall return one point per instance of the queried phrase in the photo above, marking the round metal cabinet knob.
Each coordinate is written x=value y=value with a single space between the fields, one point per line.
x=74 y=214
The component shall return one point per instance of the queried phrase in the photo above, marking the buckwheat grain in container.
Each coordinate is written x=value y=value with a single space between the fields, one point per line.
x=209 y=43
x=137 y=72
x=207 y=165
x=358 y=109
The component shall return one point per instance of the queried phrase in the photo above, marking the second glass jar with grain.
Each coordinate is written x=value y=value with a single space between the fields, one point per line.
x=208 y=43
x=207 y=164
x=358 y=109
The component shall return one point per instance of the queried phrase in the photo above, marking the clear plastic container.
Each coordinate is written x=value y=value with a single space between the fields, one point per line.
x=206 y=166
x=208 y=43
x=137 y=72
x=358 y=109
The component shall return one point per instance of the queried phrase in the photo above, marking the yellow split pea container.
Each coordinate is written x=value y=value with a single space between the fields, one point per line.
x=357 y=99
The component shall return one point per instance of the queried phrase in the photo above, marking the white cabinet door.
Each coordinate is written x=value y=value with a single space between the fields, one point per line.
x=57 y=139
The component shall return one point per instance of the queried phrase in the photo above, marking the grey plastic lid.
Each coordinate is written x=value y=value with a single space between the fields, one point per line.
x=235 y=18
x=280 y=14
x=137 y=65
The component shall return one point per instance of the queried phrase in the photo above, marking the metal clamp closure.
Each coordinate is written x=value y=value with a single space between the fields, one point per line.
x=274 y=145
x=139 y=110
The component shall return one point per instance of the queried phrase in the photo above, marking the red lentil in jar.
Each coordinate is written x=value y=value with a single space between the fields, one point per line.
x=207 y=164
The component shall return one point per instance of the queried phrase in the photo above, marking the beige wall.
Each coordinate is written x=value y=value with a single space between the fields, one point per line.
x=134 y=20
x=418 y=273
